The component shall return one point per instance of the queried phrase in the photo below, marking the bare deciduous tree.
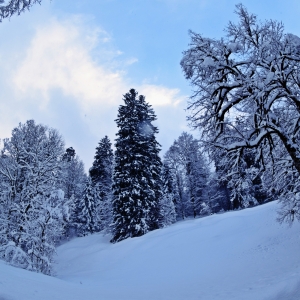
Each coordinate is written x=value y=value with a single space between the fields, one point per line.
x=247 y=93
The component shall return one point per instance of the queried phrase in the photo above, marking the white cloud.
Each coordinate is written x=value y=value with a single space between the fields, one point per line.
x=131 y=61
x=71 y=78
x=60 y=57
x=160 y=95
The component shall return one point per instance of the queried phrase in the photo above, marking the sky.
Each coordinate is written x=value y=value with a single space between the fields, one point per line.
x=68 y=63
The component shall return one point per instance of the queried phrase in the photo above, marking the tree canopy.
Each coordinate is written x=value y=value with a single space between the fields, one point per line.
x=247 y=94
x=137 y=185
x=15 y=7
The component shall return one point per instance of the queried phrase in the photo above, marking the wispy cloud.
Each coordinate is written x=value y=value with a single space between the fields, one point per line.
x=59 y=57
x=72 y=78
x=160 y=95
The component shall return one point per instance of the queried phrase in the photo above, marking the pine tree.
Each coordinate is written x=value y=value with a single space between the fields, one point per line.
x=69 y=154
x=101 y=176
x=86 y=210
x=166 y=203
x=101 y=171
x=137 y=185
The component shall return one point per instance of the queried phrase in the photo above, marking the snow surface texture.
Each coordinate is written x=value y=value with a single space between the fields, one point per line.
x=236 y=255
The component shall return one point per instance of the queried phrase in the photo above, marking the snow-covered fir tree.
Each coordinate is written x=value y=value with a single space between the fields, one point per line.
x=101 y=175
x=137 y=184
x=86 y=216
x=167 y=211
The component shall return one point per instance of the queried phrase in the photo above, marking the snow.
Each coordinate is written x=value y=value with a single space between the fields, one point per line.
x=234 y=47
x=208 y=62
x=293 y=39
x=239 y=255
x=269 y=77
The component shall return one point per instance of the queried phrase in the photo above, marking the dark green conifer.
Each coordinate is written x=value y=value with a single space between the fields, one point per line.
x=137 y=185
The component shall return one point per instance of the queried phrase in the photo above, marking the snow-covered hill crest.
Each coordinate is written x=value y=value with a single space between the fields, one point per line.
x=237 y=255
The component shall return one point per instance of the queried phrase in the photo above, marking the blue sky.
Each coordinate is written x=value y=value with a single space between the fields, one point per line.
x=67 y=63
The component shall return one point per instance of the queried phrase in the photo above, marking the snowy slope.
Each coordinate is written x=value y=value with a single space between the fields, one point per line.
x=237 y=255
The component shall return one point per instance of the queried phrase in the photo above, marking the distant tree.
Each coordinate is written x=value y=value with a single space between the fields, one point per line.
x=69 y=154
x=137 y=185
x=166 y=203
x=101 y=171
x=249 y=79
x=15 y=7
x=191 y=173
x=214 y=195
x=219 y=186
x=74 y=177
x=73 y=183
x=197 y=176
x=240 y=186
x=178 y=173
x=101 y=175
x=86 y=216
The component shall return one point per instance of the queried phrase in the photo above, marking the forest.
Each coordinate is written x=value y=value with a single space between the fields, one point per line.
x=246 y=107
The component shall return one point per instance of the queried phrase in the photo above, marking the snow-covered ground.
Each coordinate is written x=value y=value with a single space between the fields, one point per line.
x=237 y=255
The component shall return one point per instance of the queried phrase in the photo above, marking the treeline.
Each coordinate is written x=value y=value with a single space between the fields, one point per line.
x=46 y=197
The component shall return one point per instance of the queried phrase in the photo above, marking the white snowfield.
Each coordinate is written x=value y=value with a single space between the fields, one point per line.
x=237 y=255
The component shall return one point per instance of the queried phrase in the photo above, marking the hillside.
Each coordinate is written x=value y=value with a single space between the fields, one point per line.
x=237 y=255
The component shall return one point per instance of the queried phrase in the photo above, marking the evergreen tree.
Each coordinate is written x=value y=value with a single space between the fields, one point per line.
x=73 y=183
x=101 y=171
x=69 y=154
x=166 y=203
x=101 y=176
x=137 y=184
x=86 y=210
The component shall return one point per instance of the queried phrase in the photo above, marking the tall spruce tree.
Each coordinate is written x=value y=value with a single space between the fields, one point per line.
x=86 y=207
x=101 y=176
x=137 y=184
